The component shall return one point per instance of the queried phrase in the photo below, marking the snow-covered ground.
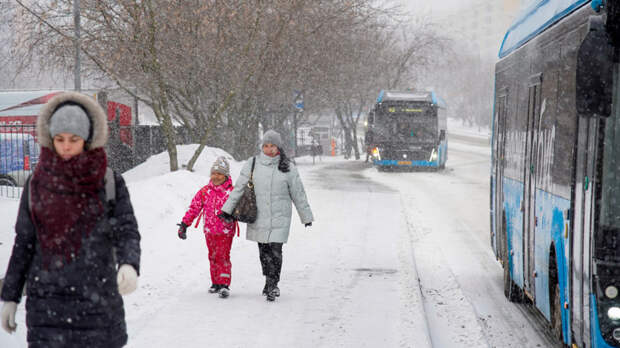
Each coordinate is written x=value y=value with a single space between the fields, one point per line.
x=393 y=260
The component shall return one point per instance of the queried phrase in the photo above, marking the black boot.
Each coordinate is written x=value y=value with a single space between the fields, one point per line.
x=214 y=288
x=271 y=296
x=271 y=289
x=224 y=291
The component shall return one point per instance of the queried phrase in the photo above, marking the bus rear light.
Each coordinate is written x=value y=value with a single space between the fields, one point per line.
x=614 y=313
x=611 y=292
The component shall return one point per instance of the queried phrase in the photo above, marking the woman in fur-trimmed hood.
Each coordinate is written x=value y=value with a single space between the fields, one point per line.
x=70 y=238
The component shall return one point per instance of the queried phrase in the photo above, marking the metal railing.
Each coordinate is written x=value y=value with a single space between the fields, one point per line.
x=19 y=154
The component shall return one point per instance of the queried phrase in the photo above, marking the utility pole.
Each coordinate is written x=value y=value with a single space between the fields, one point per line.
x=295 y=133
x=299 y=109
x=76 y=22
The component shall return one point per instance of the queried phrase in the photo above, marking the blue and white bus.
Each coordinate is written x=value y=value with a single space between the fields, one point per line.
x=408 y=130
x=555 y=176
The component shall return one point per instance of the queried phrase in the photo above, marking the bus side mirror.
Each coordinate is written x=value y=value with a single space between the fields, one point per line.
x=594 y=80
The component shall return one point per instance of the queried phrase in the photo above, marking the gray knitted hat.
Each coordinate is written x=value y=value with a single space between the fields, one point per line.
x=221 y=166
x=70 y=119
x=272 y=137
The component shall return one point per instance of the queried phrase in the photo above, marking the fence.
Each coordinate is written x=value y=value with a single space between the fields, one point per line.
x=19 y=154
x=149 y=140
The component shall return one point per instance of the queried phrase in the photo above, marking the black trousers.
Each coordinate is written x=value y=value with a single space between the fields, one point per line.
x=270 y=255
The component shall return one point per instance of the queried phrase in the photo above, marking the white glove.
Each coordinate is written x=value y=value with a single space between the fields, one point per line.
x=127 y=279
x=8 y=316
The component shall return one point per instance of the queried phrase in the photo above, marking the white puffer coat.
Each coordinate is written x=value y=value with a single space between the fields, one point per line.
x=275 y=193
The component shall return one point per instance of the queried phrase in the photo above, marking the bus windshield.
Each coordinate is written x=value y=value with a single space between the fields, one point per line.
x=610 y=190
x=406 y=123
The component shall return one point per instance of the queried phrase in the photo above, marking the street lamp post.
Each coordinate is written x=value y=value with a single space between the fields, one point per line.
x=76 y=21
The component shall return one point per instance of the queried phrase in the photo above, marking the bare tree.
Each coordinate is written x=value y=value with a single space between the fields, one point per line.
x=466 y=80
x=222 y=67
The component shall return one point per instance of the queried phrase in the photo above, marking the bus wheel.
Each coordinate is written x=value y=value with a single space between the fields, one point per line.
x=556 y=314
x=511 y=290
x=7 y=181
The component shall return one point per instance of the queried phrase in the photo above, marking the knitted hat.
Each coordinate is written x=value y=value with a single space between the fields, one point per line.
x=70 y=119
x=272 y=137
x=98 y=120
x=221 y=166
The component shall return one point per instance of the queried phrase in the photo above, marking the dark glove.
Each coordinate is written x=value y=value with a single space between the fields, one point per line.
x=226 y=217
x=308 y=224
x=182 y=230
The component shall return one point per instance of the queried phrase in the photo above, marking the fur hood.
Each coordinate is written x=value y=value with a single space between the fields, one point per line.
x=95 y=112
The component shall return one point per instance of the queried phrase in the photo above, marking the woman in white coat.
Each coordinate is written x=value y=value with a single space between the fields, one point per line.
x=277 y=185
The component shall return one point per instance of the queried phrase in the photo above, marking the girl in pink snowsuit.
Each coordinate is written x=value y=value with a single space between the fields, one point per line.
x=219 y=234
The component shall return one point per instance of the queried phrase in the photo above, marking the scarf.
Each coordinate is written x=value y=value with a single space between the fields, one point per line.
x=65 y=201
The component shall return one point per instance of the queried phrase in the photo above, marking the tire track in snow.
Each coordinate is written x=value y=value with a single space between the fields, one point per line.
x=449 y=313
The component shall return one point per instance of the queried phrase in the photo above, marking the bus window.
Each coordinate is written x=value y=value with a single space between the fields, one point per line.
x=610 y=193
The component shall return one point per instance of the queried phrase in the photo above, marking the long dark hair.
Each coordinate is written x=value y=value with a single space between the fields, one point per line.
x=283 y=166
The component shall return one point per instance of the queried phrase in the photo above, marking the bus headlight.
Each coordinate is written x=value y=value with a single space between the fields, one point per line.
x=376 y=153
x=614 y=313
x=433 y=156
x=611 y=292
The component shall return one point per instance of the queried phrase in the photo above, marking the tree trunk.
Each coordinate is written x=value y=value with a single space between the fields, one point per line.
x=355 y=145
x=168 y=130
x=345 y=132
x=205 y=135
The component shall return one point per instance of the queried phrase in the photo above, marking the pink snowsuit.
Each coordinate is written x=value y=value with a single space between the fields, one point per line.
x=219 y=234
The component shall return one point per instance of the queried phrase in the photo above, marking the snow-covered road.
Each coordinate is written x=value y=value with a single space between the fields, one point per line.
x=448 y=216
x=393 y=260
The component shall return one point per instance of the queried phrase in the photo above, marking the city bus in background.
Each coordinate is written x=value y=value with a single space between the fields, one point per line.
x=407 y=129
x=555 y=168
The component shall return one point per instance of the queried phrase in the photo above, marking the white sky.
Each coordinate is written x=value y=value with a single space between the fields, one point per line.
x=431 y=6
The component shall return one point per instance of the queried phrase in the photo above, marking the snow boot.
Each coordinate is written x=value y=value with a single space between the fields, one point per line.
x=214 y=288
x=271 y=285
x=265 y=290
x=272 y=292
x=224 y=291
x=271 y=296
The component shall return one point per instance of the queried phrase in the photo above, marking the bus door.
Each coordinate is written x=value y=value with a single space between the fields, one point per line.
x=499 y=151
x=582 y=227
x=529 y=185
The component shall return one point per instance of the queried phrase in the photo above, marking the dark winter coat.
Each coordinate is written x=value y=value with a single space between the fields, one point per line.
x=74 y=302
x=77 y=305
